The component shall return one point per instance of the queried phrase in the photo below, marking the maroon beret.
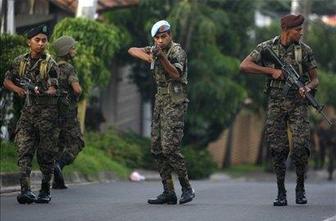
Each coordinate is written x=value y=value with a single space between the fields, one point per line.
x=291 y=21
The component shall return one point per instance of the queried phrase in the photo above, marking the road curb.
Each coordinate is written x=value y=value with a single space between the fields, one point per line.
x=9 y=182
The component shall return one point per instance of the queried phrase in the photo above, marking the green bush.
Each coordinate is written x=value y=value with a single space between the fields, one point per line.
x=199 y=163
x=8 y=158
x=144 y=143
x=117 y=148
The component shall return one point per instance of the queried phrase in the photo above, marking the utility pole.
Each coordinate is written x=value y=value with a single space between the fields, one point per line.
x=302 y=7
x=86 y=9
x=10 y=17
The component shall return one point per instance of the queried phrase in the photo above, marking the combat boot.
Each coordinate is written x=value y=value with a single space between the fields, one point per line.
x=300 y=194
x=58 y=182
x=168 y=196
x=164 y=198
x=26 y=196
x=44 y=195
x=187 y=196
x=281 y=200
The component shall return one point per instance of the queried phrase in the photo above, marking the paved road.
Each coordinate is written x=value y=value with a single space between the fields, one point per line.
x=232 y=200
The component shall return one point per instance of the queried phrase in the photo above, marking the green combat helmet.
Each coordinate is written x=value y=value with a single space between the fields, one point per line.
x=63 y=44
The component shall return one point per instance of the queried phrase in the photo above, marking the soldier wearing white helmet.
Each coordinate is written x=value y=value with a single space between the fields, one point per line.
x=169 y=67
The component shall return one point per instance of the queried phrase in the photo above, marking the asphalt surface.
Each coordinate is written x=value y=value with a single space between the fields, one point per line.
x=232 y=200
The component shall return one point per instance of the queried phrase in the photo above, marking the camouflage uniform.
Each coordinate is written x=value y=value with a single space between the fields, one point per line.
x=36 y=130
x=168 y=118
x=289 y=111
x=71 y=139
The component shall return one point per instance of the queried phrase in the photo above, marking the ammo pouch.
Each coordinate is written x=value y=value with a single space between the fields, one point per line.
x=177 y=91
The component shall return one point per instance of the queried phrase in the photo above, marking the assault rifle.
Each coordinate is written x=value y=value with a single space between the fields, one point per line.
x=27 y=84
x=153 y=50
x=292 y=79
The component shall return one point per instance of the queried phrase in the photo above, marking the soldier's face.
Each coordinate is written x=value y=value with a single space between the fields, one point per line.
x=72 y=52
x=162 y=39
x=295 y=34
x=38 y=43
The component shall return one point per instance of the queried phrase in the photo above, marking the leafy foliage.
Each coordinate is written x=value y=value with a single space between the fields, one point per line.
x=11 y=46
x=320 y=38
x=199 y=163
x=214 y=34
x=96 y=44
x=327 y=88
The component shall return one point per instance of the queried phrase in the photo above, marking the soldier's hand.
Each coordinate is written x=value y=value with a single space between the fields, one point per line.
x=20 y=91
x=277 y=74
x=157 y=51
x=304 y=90
x=36 y=90
x=51 y=91
x=150 y=58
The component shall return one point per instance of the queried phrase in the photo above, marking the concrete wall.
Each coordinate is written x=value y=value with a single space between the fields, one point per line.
x=246 y=138
x=121 y=102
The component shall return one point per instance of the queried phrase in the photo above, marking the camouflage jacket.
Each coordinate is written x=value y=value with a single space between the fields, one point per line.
x=305 y=62
x=42 y=72
x=176 y=89
x=66 y=78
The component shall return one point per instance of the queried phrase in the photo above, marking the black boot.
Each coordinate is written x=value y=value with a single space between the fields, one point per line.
x=168 y=196
x=164 y=198
x=58 y=182
x=187 y=196
x=188 y=193
x=26 y=196
x=44 y=195
x=300 y=194
x=281 y=200
x=300 y=197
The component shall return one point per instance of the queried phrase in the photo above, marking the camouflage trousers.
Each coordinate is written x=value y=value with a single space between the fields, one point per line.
x=37 y=132
x=287 y=113
x=167 y=134
x=70 y=141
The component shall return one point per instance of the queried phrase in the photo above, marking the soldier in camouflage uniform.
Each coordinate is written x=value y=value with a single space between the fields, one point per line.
x=169 y=65
x=35 y=130
x=289 y=111
x=71 y=139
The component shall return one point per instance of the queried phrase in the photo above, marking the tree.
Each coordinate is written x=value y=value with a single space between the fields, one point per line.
x=96 y=44
x=214 y=34
x=11 y=47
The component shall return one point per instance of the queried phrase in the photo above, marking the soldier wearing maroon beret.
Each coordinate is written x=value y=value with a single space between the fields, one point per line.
x=286 y=111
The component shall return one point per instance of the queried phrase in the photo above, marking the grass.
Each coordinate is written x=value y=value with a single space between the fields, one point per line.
x=90 y=161
x=243 y=169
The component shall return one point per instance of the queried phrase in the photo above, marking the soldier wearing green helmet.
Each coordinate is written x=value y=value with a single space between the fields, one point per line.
x=70 y=141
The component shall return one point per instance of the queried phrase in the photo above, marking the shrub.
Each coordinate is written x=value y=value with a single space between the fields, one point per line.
x=117 y=148
x=199 y=163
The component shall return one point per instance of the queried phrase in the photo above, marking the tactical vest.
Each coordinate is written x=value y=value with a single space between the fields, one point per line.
x=44 y=67
x=176 y=89
x=297 y=53
x=270 y=82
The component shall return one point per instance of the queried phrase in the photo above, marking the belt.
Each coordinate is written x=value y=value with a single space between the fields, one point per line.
x=277 y=84
x=45 y=100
